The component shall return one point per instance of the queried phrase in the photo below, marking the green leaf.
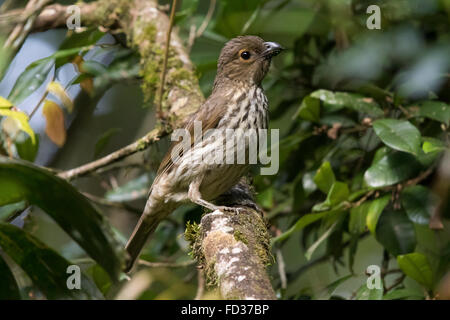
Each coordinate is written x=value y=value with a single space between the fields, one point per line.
x=369 y=141
x=364 y=293
x=20 y=180
x=104 y=140
x=324 y=177
x=9 y=210
x=322 y=238
x=30 y=80
x=5 y=103
x=380 y=153
x=8 y=285
x=265 y=198
x=416 y=266
x=329 y=290
x=338 y=193
x=94 y=67
x=418 y=203
x=376 y=208
x=403 y=294
x=338 y=100
x=119 y=69
x=391 y=169
x=400 y=135
x=288 y=24
x=357 y=221
x=46 y=268
x=61 y=57
x=81 y=39
x=309 y=109
x=234 y=15
x=304 y=221
x=20 y=121
x=396 y=232
x=101 y=279
x=25 y=147
x=331 y=119
x=435 y=110
x=132 y=190
x=431 y=145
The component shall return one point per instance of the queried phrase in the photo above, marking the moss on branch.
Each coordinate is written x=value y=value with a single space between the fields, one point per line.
x=234 y=249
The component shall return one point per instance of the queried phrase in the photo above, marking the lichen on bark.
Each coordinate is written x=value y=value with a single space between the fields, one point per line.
x=234 y=249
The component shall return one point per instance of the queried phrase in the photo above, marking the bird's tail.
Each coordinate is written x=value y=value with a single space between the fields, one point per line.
x=150 y=219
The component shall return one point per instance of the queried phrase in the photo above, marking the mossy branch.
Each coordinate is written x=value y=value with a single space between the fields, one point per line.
x=234 y=247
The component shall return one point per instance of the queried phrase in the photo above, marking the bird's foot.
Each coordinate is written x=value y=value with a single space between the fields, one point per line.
x=229 y=209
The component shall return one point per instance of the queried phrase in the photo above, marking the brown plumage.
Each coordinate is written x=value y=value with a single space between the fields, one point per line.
x=236 y=102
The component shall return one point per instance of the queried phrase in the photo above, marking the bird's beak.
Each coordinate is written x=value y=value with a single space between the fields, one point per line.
x=272 y=49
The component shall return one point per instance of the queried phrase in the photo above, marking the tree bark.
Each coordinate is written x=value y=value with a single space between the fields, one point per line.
x=234 y=247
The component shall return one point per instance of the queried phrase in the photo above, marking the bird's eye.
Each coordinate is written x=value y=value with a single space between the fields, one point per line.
x=245 y=55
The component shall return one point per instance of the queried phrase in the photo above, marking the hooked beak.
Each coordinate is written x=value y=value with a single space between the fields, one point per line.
x=272 y=49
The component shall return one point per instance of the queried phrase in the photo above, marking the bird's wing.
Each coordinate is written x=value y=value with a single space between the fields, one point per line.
x=209 y=115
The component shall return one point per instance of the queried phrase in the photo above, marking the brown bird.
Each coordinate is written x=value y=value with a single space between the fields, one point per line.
x=237 y=101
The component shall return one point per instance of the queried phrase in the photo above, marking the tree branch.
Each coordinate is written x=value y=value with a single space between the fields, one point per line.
x=166 y=57
x=234 y=247
x=138 y=145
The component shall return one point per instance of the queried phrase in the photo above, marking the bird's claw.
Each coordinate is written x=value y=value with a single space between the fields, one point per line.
x=230 y=209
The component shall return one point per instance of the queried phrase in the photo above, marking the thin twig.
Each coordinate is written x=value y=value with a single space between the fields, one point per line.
x=281 y=269
x=38 y=104
x=200 y=284
x=21 y=30
x=208 y=17
x=166 y=264
x=109 y=203
x=325 y=257
x=391 y=271
x=419 y=178
x=41 y=100
x=194 y=34
x=118 y=166
x=6 y=5
x=363 y=199
x=384 y=264
x=139 y=145
x=396 y=283
x=166 y=57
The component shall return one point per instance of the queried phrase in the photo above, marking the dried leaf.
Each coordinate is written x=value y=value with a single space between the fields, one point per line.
x=55 y=122
x=58 y=91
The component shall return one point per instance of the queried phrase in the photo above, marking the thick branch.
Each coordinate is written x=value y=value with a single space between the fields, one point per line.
x=233 y=247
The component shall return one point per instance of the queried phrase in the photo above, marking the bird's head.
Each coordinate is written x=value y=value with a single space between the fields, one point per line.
x=246 y=59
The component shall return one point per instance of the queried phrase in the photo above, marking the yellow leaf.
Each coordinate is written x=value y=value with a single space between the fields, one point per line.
x=57 y=90
x=21 y=120
x=5 y=103
x=55 y=122
x=78 y=62
x=86 y=84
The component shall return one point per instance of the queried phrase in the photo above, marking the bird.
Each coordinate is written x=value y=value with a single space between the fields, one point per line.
x=237 y=101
